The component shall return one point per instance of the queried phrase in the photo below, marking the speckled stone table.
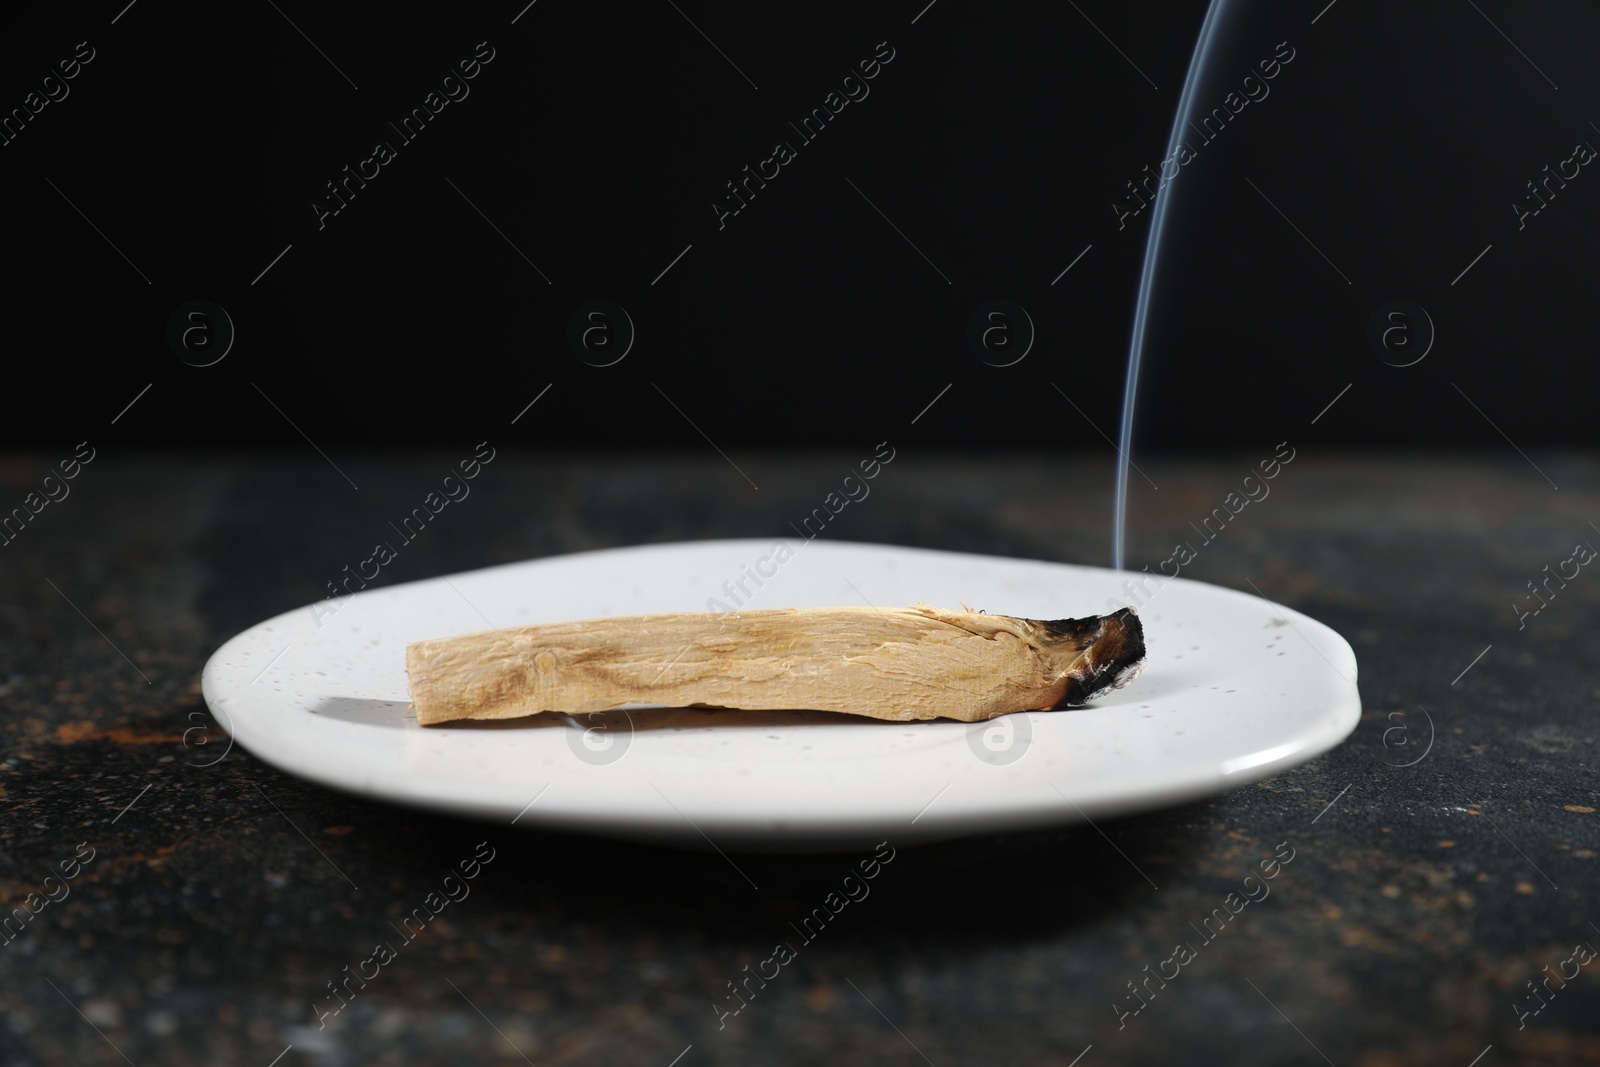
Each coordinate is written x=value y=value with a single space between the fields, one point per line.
x=181 y=908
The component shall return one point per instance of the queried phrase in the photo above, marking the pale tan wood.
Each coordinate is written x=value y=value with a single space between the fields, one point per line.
x=907 y=663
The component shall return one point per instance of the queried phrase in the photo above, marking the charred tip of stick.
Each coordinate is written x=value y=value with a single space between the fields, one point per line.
x=1115 y=653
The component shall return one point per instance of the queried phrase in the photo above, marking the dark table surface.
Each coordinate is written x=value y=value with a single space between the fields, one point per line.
x=1421 y=901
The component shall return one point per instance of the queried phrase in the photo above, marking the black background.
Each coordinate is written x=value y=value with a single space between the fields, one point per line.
x=996 y=141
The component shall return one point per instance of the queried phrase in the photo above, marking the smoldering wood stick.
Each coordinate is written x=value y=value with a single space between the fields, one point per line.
x=908 y=663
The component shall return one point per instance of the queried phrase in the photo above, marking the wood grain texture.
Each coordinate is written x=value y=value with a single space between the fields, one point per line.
x=902 y=664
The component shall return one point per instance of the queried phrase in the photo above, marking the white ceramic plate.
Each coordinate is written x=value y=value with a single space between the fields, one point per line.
x=1236 y=689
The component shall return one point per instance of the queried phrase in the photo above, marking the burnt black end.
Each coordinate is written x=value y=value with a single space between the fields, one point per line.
x=1080 y=633
x=1115 y=646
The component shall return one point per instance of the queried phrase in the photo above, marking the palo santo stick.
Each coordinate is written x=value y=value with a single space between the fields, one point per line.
x=902 y=664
